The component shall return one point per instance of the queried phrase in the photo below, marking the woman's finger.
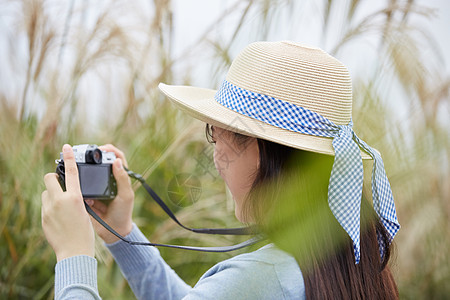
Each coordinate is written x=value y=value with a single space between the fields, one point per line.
x=52 y=184
x=117 y=152
x=70 y=165
x=44 y=198
x=124 y=190
x=97 y=206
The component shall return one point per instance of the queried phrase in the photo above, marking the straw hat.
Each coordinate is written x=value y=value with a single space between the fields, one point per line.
x=304 y=76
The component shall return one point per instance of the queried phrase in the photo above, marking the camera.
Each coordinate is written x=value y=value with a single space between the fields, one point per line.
x=94 y=170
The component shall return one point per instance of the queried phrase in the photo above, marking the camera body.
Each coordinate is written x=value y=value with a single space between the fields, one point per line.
x=94 y=171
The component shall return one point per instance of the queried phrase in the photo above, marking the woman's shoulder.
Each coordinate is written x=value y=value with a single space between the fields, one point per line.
x=267 y=273
x=268 y=254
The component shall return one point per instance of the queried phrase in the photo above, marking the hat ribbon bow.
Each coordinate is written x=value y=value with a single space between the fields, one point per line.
x=346 y=179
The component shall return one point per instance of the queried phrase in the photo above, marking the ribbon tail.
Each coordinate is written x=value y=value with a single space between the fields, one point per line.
x=383 y=200
x=345 y=187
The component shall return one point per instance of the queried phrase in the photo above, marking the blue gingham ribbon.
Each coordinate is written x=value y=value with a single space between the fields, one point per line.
x=346 y=180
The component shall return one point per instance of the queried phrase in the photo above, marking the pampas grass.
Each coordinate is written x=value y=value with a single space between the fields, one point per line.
x=92 y=58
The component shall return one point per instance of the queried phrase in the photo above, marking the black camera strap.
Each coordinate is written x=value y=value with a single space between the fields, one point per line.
x=226 y=231
x=203 y=249
x=251 y=230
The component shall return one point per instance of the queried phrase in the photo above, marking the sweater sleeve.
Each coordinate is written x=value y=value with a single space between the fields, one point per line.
x=146 y=272
x=76 y=278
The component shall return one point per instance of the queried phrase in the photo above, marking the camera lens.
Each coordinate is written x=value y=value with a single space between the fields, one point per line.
x=94 y=156
x=97 y=156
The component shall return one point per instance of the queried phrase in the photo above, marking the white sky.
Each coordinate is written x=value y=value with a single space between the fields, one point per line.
x=193 y=16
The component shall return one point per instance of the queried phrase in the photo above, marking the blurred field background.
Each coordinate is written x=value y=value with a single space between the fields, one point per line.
x=87 y=72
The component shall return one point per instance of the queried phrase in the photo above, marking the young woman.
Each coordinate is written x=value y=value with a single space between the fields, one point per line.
x=282 y=118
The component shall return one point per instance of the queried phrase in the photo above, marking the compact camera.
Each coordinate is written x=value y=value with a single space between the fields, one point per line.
x=94 y=170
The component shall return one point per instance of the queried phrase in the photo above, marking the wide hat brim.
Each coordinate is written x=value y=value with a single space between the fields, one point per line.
x=200 y=104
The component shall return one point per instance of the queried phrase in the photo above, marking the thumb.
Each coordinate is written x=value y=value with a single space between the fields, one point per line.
x=124 y=189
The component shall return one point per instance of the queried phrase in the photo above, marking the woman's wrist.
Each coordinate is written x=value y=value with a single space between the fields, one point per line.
x=63 y=254
x=110 y=238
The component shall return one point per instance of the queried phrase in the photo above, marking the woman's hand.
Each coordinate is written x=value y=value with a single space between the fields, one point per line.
x=118 y=213
x=65 y=221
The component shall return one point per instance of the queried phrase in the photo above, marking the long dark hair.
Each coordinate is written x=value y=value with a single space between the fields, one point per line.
x=288 y=199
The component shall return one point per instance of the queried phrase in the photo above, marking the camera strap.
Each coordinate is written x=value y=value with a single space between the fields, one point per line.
x=225 y=231
x=203 y=249
x=251 y=230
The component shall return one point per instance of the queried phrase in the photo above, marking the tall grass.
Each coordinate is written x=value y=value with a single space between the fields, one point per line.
x=108 y=57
